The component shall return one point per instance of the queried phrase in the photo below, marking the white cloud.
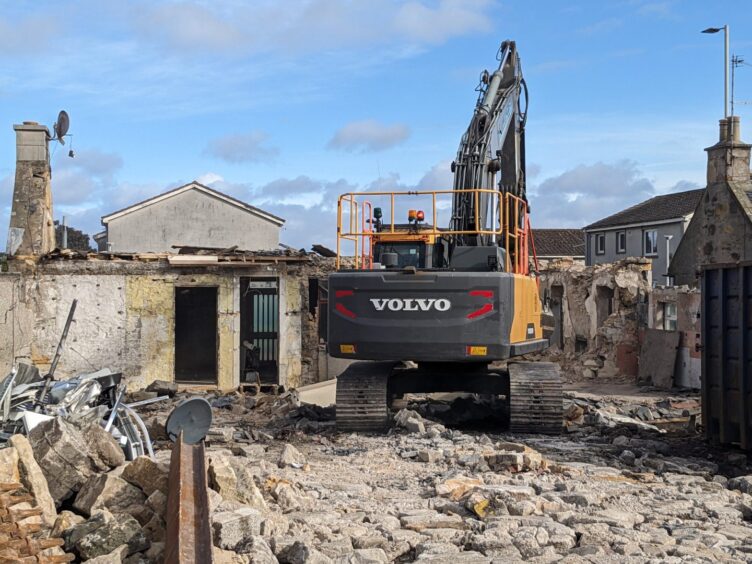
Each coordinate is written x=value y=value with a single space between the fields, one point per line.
x=187 y=25
x=26 y=36
x=242 y=148
x=587 y=193
x=237 y=28
x=209 y=178
x=449 y=18
x=76 y=180
x=439 y=177
x=684 y=185
x=368 y=135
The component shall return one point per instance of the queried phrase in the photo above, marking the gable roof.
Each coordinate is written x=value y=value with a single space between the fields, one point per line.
x=201 y=188
x=559 y=242
x=742 y=191
x=658 y=208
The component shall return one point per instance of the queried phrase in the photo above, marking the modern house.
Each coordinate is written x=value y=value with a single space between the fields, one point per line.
x=192 y=215
x=651 y=229
x=551 y=244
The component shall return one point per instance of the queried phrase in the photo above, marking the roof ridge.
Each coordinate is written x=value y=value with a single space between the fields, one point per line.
x=622 y=217
x=194 y=184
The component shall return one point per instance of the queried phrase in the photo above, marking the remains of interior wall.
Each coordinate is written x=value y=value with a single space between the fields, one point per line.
x=688 y=368
x=316 y=365
x=598 y=322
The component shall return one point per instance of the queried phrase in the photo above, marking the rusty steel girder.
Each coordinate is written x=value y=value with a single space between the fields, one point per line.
x=188 y=536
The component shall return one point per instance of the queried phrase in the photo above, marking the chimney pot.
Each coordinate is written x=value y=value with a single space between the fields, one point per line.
x=735 y=134
x=30 y=123
x=723 y=123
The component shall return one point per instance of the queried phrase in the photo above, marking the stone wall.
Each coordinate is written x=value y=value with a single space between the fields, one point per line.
x=597 y=310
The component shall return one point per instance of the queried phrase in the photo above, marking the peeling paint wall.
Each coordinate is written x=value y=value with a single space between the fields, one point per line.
x=125 y=318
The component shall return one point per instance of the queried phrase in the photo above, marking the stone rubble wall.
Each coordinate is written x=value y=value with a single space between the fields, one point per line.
x=601 y=308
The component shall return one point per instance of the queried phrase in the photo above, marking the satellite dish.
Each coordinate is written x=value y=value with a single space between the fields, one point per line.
x=61 y=126
x=193 y=417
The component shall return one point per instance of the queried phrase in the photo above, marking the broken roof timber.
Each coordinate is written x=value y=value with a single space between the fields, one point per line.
x=238 y=261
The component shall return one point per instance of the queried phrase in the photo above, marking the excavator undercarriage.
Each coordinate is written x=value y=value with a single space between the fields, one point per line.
x=531 y=392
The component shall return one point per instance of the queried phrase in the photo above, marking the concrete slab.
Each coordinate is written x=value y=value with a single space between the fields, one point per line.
x=323 y=394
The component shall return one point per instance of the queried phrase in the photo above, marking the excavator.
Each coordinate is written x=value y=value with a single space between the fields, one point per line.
x=421 y=308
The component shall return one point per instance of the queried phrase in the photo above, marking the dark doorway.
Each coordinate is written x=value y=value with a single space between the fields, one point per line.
x=604 y=304
x=557 y=299
x=259 y=330
x=196 y=334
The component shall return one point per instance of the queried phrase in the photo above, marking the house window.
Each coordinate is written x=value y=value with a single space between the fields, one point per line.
x=600 y=243
x=669 y=316
x=621 y=242
x=651 y=242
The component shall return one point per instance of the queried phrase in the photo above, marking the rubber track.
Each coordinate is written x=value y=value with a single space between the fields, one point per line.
x=362 y=397
x=535 y=402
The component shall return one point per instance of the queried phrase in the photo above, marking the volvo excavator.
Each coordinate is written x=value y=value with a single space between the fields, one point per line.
x=452 y=300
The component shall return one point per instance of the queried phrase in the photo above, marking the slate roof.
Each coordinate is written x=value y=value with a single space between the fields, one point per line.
x=559 y=242
x=658 y=208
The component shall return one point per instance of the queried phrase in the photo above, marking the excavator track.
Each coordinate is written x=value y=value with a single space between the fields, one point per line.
x=362 y=403
x=535 y=402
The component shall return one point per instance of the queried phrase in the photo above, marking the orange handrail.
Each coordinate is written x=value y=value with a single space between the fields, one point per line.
x=513 y=227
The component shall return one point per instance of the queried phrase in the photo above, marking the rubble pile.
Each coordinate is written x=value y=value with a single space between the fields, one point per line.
x=286 y=487
x=585 y=413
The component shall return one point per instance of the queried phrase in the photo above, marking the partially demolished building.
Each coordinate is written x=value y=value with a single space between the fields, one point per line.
x=597 y=311
x=201 y=317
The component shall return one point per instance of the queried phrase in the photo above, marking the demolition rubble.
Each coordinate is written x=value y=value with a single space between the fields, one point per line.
x=630 y=481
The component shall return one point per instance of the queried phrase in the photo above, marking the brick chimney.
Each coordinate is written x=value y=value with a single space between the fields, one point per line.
x=728 y=160
x=32 y=231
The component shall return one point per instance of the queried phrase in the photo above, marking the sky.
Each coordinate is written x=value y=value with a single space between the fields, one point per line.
x=287 y=105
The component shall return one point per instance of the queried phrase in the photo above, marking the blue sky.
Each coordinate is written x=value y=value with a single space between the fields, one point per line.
x=285 y=105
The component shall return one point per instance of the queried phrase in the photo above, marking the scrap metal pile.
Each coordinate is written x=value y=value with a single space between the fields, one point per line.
x=28 y=399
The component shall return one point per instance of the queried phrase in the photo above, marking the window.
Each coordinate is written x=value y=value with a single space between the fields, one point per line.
x=600 y=243
x=651 y=242
x=408 y=254
x=669 y=316
x=621 y=242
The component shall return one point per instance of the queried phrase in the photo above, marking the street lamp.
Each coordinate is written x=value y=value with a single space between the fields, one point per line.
x=725 y=30
x=668 y=258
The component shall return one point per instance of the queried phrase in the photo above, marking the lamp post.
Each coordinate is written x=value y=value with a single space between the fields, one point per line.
x=725 y=30
x=668 y=258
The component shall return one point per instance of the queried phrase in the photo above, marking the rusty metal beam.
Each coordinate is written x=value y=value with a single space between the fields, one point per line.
x=188 y=539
